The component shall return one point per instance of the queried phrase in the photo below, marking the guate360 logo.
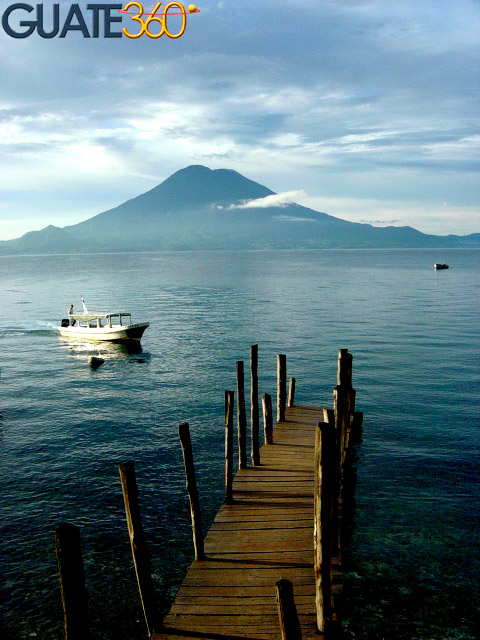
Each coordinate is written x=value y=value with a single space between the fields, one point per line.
x=149 y=20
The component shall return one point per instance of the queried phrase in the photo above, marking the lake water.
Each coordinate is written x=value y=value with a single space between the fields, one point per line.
x=413 y=564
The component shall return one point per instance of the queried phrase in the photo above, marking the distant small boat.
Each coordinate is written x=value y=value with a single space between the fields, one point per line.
x=101 y=325
x=438 y=266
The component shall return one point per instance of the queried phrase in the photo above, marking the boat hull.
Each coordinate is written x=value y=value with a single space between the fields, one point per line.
x=129 y=333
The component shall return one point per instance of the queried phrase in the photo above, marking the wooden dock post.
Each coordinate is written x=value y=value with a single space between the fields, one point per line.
x=356 y=427
x=324 y=471
x=340 y=408
x=344 y=411
x=255 y=454
x=287 y=611
x=72 y=581
x=344 y=367
x=281 y=386
x=329 y=417
x=344 y=399
x=340 y=405
x=344 y=379
x=141 y=558
x=241 y=417
x=267 y=418
x=191 y=482
x=229 y=399
x=291 y=393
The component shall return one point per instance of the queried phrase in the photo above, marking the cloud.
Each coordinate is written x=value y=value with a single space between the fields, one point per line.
x=294 y=219
x=438 y=217
x=361 y=100
x=381 y=222
x=275 y=200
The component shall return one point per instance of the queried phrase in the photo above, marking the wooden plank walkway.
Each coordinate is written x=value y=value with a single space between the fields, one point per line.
x=267 y=534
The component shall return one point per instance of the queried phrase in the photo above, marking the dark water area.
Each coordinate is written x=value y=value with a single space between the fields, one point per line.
x=413 y=561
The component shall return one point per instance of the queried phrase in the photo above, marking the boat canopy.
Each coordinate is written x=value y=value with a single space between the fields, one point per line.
x=98 y=315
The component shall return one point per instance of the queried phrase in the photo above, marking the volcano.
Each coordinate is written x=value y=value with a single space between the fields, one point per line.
x=198 y=208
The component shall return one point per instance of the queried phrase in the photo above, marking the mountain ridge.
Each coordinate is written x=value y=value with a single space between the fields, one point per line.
x=200 y=208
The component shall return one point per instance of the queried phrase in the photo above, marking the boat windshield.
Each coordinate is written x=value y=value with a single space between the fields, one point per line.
x=120 y=318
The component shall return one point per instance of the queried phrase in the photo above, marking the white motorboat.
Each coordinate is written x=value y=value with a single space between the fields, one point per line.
x=100 y=325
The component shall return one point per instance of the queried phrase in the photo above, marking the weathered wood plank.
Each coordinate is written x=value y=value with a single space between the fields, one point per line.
x=229 y=603
x=233 y=631
x=293 y=523
x=237 y=594
x=280 y=546
x=254 y=577
x=288 y=475
x=198 y=623
x=248 y=514
x=230 y=610
x=178 y=635
x=256 y=537
x=302 y=486
x=261 y=560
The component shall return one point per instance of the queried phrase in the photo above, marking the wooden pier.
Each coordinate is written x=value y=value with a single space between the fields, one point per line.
x=279 y=528
x=265 y=535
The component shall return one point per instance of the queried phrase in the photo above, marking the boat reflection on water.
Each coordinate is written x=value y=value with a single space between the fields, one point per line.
x=105 y=350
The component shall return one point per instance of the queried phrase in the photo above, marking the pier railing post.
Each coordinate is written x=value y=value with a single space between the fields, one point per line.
x=340 y=396
x=356 y=427
x=329 y=417
x=344 y=413
x=241 y=417
x=281 y=386
x=291 y=393
x=324 y=461
x=254 y=405
x=191 y=482
x=287 y=611
x=141 y=558
x=340 y=408
x=340 y=404
x=267 y=418
x=344 y=367
x=229 y=400
x=72 y=581
x=344 y=381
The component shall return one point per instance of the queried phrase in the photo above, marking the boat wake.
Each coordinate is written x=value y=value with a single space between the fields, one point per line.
x=40 y=329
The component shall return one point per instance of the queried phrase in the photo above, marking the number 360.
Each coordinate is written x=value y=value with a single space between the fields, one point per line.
x=145 y=24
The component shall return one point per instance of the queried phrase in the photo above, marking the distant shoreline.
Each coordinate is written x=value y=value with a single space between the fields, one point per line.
x=202 y=251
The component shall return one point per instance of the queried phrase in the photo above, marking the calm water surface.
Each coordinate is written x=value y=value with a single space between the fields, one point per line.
x=413 y=565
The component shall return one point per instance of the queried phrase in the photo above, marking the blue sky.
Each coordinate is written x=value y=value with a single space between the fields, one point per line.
x=368 y=109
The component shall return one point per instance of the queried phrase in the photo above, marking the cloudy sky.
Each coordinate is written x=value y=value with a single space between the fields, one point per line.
x=367 y=110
